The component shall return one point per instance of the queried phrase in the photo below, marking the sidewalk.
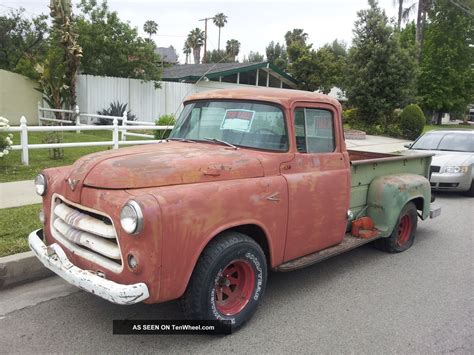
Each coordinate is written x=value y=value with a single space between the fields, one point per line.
x=18 y=193
x=377 y=144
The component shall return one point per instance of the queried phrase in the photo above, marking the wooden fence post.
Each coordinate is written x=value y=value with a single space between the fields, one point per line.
x=124 y=124
x=115 y=135
x=24 y=141
x=78 y=117
x=39 y=114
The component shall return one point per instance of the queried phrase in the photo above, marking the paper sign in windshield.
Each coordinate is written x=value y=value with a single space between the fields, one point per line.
x=239 y=120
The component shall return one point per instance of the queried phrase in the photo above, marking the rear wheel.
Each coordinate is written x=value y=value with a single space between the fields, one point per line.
x=228 y=281
x=403 y=235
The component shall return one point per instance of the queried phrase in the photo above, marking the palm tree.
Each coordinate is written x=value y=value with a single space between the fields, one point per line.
x=196 y=41
x=187 y=50
x=404 y=12
x=219 y=20
x=150 y=27
x=232 y=49
x=296 y=35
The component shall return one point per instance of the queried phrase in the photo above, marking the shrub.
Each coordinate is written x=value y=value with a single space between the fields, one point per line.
x=5 y=140
x=412 y=121
x=165 y=120
x=349 y=116
x=115 y=109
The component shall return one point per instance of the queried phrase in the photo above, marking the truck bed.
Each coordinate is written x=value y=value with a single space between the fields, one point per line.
x=365 y=166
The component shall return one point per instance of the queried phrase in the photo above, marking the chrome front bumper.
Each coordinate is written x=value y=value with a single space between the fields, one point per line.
x=54 y=258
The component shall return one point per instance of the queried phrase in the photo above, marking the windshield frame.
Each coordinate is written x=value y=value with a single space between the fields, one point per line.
x=269 y=103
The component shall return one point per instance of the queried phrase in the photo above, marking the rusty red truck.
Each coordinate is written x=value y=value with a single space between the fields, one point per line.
x=249 y=180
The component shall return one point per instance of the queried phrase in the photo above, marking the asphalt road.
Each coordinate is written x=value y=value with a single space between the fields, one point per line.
x=364 y=301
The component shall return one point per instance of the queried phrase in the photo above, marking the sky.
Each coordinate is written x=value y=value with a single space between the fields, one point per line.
x=253 y=23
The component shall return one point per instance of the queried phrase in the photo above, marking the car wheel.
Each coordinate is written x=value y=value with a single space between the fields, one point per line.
x=228 y=281
x=470 y=192
x=403 y=235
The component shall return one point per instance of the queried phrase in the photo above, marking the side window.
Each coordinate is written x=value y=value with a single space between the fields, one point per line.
x=314 y=129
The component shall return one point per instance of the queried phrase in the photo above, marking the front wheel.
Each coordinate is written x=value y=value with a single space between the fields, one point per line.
x=470 y=192
x=403 y=235
x=228 y=280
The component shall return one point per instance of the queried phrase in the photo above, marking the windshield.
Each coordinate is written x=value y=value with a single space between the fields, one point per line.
x=456 y=142
x=240 y=123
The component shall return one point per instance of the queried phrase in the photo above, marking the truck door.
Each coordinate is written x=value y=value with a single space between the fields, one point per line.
x=318 y=181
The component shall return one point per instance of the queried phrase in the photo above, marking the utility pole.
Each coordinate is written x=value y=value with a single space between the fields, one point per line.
x=205 y=35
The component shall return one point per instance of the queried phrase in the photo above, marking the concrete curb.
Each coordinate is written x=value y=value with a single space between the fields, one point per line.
x=20 y=268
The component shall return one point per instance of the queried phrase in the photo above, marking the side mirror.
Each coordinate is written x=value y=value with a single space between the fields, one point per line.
x=407 y=145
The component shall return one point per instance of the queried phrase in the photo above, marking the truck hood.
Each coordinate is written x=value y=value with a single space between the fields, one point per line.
x=164 y=164
x=447 y=158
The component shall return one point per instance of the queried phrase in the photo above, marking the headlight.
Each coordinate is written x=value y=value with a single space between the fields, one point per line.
x=455 y=169
x=40 y=184
x=131 y=217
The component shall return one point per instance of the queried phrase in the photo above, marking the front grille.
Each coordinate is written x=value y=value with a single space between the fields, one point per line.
x=434 y=169
x=86 y=233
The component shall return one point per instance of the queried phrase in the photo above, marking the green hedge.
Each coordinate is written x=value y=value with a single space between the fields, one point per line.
x=412 y=121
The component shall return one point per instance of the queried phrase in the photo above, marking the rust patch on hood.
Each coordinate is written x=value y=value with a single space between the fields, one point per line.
x=168 y=164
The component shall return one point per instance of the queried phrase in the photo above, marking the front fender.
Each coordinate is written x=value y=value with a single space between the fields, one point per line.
x=388 y=194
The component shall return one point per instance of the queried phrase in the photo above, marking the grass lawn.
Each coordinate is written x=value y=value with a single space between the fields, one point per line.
x=15 y=225
x=11 y=168
x=446 y=126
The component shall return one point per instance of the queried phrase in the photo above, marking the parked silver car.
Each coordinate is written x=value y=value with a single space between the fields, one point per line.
x=452 y=167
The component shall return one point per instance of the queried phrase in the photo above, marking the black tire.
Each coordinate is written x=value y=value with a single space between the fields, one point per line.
x=403 y=235
x=229 y=251
x=470 y=192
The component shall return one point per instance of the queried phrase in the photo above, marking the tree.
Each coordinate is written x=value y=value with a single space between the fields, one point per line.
x=316 y=69
x=232 y=48
x=216 y=56
x=254 y=57
x=276 y=55
x=297 y=35
x=403 y=12
x=23 y=42
x=379 y=74
x=112 y=47
x=64 y=35
x=339 y=49
x=446 y=82
x=196 y=41
x=187 y=50
x=219 y=20
x=150 y=27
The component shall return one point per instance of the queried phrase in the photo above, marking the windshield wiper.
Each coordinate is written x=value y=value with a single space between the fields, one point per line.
x=180 y=140
x=215 y=140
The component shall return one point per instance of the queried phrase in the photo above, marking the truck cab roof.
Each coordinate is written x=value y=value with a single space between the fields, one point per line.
x=283 y=97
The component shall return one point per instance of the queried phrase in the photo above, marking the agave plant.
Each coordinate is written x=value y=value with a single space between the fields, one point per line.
x=115 y=109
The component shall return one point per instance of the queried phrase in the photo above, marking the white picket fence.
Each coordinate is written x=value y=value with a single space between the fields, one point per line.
x=78 y=120
x=115 y=128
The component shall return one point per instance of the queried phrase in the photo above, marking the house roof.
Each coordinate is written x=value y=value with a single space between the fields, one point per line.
x=194 y=72
x=167 y=55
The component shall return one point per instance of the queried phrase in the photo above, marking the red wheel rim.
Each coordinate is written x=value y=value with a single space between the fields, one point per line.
x=404 y=230
x=234 y=287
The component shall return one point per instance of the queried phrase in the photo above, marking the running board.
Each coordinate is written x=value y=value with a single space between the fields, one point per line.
x=348 y=243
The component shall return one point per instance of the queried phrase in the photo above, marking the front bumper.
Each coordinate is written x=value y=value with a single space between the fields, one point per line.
x=54 y=258
x=450 y=181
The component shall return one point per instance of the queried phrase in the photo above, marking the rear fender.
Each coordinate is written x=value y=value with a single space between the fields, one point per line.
x=388 y=194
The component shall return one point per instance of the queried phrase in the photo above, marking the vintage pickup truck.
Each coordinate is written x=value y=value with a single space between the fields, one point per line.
x=250 y=180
